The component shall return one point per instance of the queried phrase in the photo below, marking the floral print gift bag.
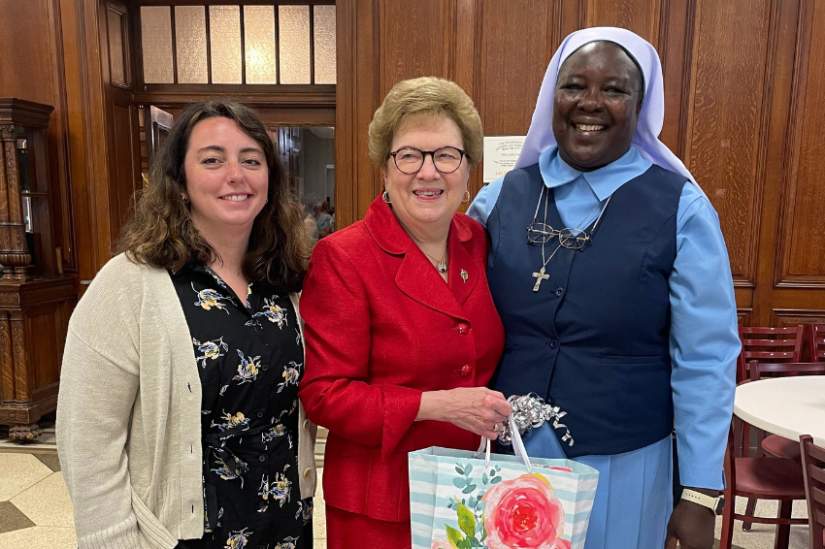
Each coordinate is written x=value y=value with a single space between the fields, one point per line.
x=462 y=500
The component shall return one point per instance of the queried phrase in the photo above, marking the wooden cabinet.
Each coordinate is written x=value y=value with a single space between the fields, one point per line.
x=36 y=297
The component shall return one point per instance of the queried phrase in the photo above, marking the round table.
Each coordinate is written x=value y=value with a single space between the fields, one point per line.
x=786 y=406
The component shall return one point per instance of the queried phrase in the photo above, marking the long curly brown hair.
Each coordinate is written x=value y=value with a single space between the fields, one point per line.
x=161 y=232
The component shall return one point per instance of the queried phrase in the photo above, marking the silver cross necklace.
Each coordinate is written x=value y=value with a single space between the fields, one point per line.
x=542 y=233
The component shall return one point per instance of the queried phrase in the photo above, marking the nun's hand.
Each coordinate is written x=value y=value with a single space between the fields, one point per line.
x=691 y=525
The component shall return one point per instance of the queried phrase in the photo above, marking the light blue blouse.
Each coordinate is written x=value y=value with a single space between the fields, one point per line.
x=704 y=340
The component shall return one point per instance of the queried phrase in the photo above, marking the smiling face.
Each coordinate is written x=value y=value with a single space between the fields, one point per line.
x=227 y=178
x=427 y=199
x=596 y=105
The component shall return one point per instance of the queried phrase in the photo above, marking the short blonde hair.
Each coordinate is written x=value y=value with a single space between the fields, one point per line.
x=425 y=95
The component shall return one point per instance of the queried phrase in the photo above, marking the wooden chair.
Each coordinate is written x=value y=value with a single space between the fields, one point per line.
x=813 y=466
x=775 y=445
x=816 y=342
x=759 y=370
x=765 y=344
x=759 y=477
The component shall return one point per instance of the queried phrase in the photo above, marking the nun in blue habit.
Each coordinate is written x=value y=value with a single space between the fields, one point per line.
x=609 y=269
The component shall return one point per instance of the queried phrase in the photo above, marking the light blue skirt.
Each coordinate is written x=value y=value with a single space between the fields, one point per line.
x=634 y=497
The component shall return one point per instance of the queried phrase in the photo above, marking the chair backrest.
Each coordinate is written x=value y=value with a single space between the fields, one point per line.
x=758 y=370
x=817 y=342
x=813 y=465
x=769 y=344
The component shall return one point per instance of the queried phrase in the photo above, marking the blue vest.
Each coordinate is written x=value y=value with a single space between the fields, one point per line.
x=595 y=339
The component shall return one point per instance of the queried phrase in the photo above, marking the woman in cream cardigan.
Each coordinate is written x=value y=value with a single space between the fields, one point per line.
x=178 y=419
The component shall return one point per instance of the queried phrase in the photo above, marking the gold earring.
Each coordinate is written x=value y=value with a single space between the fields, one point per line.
x=385 y=196
x=466 y=197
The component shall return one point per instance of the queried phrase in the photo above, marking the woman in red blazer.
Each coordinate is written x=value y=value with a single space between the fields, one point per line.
x=401 y=332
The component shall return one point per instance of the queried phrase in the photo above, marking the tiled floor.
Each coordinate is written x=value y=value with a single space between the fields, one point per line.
x=35 y=511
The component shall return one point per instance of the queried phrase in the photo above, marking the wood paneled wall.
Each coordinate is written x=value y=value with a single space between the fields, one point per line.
x=742 y=78
x=741 y=82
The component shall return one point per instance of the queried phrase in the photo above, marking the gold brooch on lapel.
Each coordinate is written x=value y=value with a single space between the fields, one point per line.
x=464 y=276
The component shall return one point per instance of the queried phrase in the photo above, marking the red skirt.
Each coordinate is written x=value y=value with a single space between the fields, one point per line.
x=350 y=530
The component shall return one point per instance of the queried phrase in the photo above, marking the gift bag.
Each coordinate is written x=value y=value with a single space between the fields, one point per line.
x=461 y=499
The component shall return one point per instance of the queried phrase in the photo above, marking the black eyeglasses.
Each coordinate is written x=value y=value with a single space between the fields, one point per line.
x=409 y=160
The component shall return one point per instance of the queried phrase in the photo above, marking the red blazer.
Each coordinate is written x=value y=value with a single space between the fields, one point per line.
x=381 y=327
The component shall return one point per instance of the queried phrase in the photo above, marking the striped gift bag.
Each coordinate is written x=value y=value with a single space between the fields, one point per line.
x=461 y=499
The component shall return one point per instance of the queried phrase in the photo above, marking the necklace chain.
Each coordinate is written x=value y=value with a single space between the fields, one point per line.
x=573 y=239
x=440 y=264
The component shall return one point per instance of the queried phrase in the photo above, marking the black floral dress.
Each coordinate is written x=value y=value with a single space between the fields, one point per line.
x=250 y=360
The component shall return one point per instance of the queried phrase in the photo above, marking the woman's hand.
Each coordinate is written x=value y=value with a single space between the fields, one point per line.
x=475 y=409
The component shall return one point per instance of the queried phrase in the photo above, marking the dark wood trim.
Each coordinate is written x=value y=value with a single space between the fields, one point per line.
x=123 y=12
x=311 y=44
x=765 y=142
x=792 y=142
x=234 y=2
x=136 y=43
x=207 y=24
x=806 y=315
x=801 y=283
x=63 y=203
x=277 y=17
x=346 y=172
x=775 y=189
x=174 y=30
x=556 y=34
x=128 y=50
x=242 y=29
x=24 y=113
x=687 y=71
x=295 y=96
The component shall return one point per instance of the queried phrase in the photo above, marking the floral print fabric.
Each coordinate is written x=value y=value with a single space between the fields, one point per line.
x=250 y=360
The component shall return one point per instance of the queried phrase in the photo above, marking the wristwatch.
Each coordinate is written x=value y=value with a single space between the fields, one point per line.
x=715 y=504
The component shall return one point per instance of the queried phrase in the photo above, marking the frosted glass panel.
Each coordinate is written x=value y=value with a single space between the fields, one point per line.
x=190 y=41
x=156 y=41
x=116 y=65
x=259 y=44
x=294 y=44
x=225 y=42
x=324 y=44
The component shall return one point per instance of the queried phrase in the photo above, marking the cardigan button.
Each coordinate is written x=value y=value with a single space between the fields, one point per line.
x=462 y=328
x=465 y=370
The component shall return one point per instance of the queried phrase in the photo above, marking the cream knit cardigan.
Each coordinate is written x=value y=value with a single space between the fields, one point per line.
x=129 y=414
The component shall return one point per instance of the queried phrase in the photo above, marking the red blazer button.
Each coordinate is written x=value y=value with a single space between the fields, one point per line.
x=465 y=370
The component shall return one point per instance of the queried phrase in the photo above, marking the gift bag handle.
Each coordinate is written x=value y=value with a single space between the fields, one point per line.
x=518 y=446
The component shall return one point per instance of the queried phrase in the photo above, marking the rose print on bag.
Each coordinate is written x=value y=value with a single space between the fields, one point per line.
x=523 y=512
